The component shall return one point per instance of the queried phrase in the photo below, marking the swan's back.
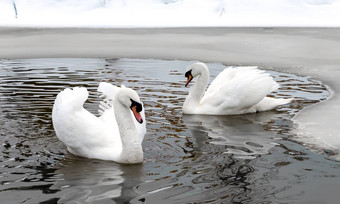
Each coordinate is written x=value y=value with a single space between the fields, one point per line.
x=236 y=90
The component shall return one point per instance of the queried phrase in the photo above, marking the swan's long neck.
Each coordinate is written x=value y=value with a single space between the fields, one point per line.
x=198 y=89
x=132 y=151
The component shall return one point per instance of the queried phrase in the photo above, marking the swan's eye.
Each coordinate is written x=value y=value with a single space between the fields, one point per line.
x=139 y=106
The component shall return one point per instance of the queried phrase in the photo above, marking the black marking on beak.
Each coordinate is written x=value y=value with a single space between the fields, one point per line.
x=139 y=106
x=136 y=108
x=189 y=77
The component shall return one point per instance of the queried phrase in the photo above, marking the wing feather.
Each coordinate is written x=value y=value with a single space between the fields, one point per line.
x=239 y=88
x=108 y=92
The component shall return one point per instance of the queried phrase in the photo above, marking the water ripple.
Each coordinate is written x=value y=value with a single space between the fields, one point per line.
x=188 y=159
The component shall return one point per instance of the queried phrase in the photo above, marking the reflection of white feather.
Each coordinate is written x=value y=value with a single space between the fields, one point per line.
x=112 y=136
x=241 y=135
x=234 y=91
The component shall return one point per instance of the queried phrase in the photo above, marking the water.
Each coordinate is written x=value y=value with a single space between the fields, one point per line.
x=160 y=13
x=251 y=158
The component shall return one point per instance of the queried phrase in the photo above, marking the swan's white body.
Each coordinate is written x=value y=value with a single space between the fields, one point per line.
x=115 y=135
x=234 y=91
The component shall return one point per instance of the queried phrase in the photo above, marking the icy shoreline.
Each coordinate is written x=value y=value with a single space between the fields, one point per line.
x=310 y=52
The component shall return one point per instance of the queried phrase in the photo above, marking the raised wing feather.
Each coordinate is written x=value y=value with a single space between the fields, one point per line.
x=238 y=89
x=108 y=92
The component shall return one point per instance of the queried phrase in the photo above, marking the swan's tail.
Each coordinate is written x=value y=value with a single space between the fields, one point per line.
x=269 y=103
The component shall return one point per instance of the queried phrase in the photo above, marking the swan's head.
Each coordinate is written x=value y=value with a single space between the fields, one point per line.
x=195 y=70
x=130 y=99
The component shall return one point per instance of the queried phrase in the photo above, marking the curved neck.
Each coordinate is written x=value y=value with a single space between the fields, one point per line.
x=198 y=89
x=132 y=151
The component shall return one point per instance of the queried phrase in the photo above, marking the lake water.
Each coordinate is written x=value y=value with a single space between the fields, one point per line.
x=251 y=158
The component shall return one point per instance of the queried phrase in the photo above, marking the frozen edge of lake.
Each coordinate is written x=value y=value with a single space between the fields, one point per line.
x=310 y=52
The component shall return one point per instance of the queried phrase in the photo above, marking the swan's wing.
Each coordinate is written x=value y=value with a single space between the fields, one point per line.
x=82 y=132
x=67 y=102
x=108 y=92
x=238 y=88
x=71 y=99
x=69 y=116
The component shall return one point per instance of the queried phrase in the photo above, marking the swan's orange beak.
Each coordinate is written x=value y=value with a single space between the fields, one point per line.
x=137 y=114
x=189 y=77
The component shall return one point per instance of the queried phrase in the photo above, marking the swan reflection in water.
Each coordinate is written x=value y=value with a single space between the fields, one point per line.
x=244 y=136
x=86 y=180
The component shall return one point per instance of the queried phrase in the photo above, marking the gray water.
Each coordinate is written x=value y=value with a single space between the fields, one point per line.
x=251 y=158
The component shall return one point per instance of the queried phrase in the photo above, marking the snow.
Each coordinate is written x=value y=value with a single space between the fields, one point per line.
x=166 y=13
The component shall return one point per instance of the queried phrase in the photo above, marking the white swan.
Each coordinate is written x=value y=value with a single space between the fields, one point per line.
x=116 y=135
x=234 y=91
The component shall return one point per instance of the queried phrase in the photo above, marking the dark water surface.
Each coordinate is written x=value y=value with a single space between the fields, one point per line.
x=249 y=158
